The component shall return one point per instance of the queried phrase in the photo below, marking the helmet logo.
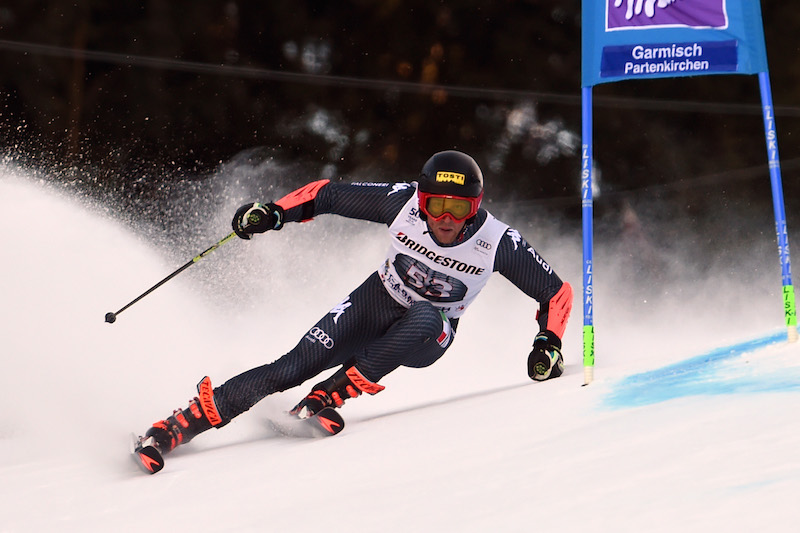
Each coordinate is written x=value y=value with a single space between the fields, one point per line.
x=450 y=177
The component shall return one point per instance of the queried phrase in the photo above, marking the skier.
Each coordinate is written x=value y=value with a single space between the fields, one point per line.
x=444 y=247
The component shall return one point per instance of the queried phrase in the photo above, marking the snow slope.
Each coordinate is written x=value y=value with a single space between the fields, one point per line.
x=685 y=428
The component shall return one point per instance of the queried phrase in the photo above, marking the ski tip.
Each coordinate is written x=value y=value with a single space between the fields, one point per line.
x=146 y=455
x=329 y=421
x=150 y=460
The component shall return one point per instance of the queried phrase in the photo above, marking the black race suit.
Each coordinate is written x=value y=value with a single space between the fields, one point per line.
x=370 y=328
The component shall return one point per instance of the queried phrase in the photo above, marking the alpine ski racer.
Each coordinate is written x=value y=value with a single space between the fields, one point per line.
x=443 y=248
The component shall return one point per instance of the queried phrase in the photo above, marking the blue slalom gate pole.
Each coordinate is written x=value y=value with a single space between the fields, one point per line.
x=587 y=214
x=789 y=305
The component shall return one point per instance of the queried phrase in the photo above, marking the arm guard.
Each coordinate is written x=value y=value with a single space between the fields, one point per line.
x=558 y=309
x=304 y=198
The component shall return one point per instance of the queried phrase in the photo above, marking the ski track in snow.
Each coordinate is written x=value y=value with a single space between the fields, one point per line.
x=686 y=428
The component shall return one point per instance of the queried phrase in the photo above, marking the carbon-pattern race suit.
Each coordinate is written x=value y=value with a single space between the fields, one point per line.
x=369 y=327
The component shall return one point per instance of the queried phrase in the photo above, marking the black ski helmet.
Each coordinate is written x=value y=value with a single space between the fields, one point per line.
x=451 y=173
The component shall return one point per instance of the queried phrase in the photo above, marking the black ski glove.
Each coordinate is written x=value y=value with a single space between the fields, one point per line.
x=545 y=360
x=257 y=218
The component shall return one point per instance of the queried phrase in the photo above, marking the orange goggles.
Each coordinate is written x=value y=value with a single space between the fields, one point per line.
x=437 y=206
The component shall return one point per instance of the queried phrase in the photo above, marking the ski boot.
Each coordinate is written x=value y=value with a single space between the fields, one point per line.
x=345 y=383
x=183 y=425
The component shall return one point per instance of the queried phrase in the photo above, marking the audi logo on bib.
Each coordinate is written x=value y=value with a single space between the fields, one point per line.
x=317 y=334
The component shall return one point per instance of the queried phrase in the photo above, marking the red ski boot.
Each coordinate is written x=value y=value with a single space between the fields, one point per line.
x=183 y=425
x=345 y=383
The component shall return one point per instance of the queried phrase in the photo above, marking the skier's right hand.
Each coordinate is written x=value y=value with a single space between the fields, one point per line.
x=257 y=218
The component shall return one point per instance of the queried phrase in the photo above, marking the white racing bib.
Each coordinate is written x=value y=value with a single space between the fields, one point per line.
x=416 y=268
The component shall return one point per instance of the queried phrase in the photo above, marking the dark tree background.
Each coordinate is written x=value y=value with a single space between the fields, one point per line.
x=172 y=90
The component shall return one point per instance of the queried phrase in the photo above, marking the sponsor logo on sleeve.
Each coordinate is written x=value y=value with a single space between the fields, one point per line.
x=397 y=187
x=515 y=237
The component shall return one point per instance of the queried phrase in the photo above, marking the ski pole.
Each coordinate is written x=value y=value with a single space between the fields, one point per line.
x=112 y=317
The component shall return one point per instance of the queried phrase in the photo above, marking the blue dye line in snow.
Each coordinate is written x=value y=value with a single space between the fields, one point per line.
x=705 y=375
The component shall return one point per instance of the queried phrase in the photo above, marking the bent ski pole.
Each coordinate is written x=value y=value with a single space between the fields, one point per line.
x=112 y=317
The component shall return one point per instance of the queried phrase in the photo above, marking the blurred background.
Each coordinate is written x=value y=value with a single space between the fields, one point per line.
x=152 y=106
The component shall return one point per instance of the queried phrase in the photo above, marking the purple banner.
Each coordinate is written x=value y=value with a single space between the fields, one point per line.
x=647 y=14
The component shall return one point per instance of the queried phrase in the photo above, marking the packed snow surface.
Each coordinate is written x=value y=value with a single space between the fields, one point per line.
x=690 y=424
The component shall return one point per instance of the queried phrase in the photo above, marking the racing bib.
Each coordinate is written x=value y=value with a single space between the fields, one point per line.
x=416 y=268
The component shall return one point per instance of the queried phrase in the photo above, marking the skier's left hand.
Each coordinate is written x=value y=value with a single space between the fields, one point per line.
x=545 y=360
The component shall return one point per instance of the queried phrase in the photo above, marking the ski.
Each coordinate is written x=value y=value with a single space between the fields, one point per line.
x=326 y=423
x=146 y=454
